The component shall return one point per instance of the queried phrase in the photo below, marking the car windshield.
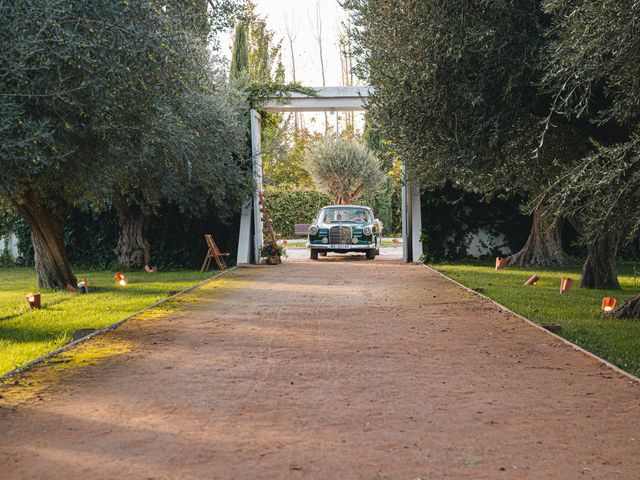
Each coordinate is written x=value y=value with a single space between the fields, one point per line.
x=341 y=214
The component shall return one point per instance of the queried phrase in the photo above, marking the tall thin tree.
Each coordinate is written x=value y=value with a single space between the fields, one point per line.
x=319 y=40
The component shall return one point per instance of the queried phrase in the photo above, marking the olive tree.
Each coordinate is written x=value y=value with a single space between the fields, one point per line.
x=456 y=94
x=78 y=82
x=344 y=168
x=592 y=67
x=190 y=157
x=192 y=131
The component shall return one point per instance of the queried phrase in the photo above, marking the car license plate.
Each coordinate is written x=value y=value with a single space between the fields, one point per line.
x=337 y=246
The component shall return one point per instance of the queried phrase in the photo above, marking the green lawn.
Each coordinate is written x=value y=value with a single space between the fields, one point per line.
x=26 y=334
x=578 y=312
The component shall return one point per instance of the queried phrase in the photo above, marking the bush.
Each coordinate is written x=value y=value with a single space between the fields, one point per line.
x=450 y=217
x=387 y=207
x=288 y=207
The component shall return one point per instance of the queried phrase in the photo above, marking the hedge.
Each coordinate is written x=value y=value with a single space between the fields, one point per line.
x=288 y=207
x=177 y=240
x=451 y=217
x=448 y=218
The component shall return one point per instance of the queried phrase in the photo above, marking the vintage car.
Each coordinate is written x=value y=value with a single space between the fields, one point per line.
x=345 y=228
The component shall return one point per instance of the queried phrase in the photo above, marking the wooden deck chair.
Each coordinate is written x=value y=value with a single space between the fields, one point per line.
x=213 y=253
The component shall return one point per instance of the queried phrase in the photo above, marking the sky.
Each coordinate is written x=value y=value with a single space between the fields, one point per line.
x=300 y=17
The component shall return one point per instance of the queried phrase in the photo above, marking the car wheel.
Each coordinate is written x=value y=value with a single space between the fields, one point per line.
x=323 y=254
x=313 y=255
x=371 y=254
x=377 y=252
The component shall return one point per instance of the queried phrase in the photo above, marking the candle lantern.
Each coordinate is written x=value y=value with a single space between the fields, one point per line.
x=122 y=281
x=501 y=263
x=608 y=304
x=532 y=280
x=566 y=284
x=34 y=300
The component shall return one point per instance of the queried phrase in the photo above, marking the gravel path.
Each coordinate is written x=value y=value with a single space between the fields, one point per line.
x=336 y=369
x=302 y=254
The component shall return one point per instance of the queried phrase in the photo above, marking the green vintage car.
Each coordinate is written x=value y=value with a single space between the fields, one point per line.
x=343 y=229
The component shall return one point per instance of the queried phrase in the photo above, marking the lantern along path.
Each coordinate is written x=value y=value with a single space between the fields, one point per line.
x=340 y=368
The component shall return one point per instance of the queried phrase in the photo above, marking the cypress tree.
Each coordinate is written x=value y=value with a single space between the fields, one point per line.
x=240 y=51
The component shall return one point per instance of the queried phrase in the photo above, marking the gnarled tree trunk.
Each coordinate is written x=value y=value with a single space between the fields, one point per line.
x=630 y=308
x=599 y=270
x=133 y=248
x=47 y=237
x=544 y=245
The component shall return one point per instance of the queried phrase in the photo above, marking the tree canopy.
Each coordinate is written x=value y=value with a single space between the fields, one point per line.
x=84 y=88
x=456 y=95
x=503 y=98
x=596 y=80
x=344 y=168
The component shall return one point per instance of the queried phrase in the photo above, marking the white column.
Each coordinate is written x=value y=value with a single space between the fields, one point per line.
x=245 y=242
x=416 y=225
x=250 y=218
x=406 y=221
x=256 y=149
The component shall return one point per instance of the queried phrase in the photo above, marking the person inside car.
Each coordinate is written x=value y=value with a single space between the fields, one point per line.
x=359 y=217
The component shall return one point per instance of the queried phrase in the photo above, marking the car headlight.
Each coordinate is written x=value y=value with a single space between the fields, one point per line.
x=313 y=230
x=367 y=230
x=354 y=240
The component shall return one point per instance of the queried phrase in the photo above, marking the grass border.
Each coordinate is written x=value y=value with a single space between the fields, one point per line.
x=36 y=361
x=539 y=327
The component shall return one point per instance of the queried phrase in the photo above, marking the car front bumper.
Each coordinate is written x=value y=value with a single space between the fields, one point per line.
x=340 y=246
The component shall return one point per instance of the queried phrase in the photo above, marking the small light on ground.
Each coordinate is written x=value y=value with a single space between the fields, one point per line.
x=566 y=284
x=122 y=281
x=532 y=280
x=501 y=263
x=34 y=300
x=608 y=304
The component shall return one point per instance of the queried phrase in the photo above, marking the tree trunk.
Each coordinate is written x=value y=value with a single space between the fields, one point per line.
x=544 y=245
x=133 y=249
x=630 y=308
x=599 y=270
x=47 y=237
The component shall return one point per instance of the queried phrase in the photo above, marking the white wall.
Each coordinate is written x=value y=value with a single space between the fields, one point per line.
x=481 y=243
x=10 y=243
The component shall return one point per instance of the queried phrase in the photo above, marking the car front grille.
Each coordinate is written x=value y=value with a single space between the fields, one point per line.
x=341 y=235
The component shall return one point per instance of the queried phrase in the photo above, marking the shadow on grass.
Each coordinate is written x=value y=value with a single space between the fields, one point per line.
x=32 y=333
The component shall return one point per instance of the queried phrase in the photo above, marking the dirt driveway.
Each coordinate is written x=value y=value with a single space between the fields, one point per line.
x=336 y=369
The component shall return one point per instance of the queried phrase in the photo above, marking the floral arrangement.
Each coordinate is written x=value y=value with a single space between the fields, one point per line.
x=271 y=249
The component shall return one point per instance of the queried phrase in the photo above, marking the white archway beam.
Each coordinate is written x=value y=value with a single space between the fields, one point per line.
x=329 y=99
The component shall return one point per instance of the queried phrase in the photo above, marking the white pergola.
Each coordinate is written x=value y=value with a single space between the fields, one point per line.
x=328 y=99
